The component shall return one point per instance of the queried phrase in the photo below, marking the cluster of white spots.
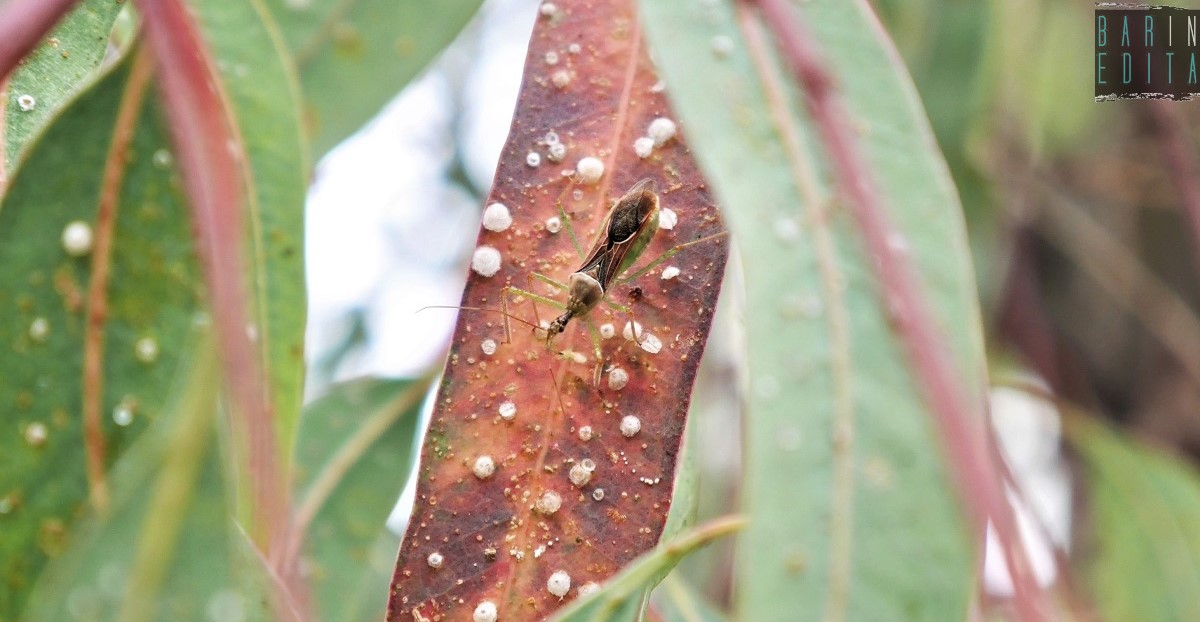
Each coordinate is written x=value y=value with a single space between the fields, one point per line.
x=36 y=434
x=488 y=346
x=485 y=261
x=559 y=583
x=561 y=78
x=496 y=217
x=27 y=102
x=617 y=378
x=661 y=131
x=551 y=58
x=533 y=159
x=722 y=46
x=553 y=224
x=650 y=481
x=146 y=350
x=435 y=560
x=643 y=147
x=548 y=9
x=122 y=414
x=162 y=159
x=585 y=433
x=590 y=170
x=667 y=218
x=598 y=494
x=484 y=467
x=508 y=411
x=548 y=503
x=557 y=152
x=607 y=330
x=39 y=329
x=77 y=238
x=589 y=588
x=670 y=272
x=485 y=612
x=581 y=473
x=630 y=426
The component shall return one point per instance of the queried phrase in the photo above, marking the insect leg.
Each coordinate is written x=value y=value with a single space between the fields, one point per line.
x=671 y=252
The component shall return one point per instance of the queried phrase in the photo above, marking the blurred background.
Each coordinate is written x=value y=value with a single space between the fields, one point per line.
x=1082 y=244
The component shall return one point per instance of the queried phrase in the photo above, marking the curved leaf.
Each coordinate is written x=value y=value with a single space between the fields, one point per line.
x=264 y=101
x=355 y=446
x=1144 y=553
x=621 y=598
x=53 y=73
x=851 y=511
x=151 y=301
x=355 y=55
x=509 y=396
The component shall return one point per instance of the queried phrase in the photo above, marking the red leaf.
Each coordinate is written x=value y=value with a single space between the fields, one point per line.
x=588 y=79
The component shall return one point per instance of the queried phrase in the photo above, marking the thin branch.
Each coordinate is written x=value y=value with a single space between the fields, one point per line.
x=957 y=416
x=115 y=165
x=23 y=23
x=209 y=156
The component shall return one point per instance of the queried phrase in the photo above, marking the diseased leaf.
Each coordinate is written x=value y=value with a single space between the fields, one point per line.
x=355 y=55
x=589 y=92
x=621 y=598
x=53 y=73
x=265 y=103
x=1143 y=554
x=355 y=447
x=851 y=514
x=151 y=302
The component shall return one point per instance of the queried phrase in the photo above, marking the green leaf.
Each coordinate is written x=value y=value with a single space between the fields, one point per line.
x=355 y=55
x=677 y=601
x=54 y=72
x=1144 y=561
x=621 y=598
x=263 y=93
x=354 y=454
x=166 y=551
x=850 y=506
x=151 y=295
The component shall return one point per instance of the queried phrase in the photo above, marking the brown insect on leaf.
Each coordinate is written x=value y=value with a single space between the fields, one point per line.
x=546 y=467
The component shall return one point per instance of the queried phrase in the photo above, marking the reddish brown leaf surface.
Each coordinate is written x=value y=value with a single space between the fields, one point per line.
x=588 y=79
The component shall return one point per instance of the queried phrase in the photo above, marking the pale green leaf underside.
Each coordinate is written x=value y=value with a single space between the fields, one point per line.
x=865 y=528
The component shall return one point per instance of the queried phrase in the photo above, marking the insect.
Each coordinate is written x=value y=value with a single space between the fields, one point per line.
x=626 y=231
